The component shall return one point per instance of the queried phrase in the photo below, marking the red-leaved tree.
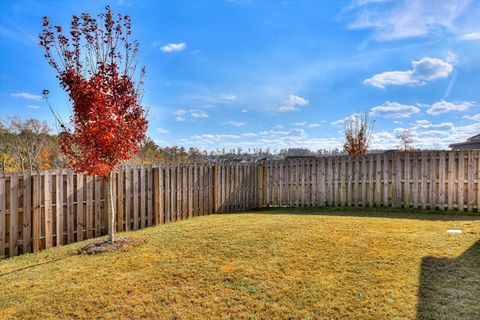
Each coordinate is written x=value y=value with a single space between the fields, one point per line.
x=97 y=66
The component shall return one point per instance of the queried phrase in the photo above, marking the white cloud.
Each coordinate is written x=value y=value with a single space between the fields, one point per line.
x=394 y=110
x=244 y=110
x=292 y=103
x=217 y=98
x=407 y=18
x=33 y=106
x=306 y=124
x=189 y=114
x=424 y=70
x=471 y=36
x=162 y=131
x=227 y=97
x=234 y=123
x=341 y=122
x=172 y=47
x=199 y=114
x=26 y=95
x=475 y=117
x=445 y=106
x=425 y=124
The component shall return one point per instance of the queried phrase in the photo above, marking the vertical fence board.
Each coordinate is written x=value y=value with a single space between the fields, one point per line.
x=58 y=207
x=461 y=181
x=48 y=209
x=27 y=212
x=441 y=181
x=90 y=212
x=451 y=177
x=80 y=212
x=470 y=187
x=120 y=200
x=3 y=214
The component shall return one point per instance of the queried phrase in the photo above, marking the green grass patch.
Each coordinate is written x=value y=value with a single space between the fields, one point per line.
x=305 y=263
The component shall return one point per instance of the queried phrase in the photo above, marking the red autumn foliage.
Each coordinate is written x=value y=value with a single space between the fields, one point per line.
x=96 y=65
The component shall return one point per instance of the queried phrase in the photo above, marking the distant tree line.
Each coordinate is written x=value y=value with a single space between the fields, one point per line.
x=28 y=144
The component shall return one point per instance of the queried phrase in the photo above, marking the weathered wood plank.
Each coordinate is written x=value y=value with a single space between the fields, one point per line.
x=424 y=175
x=136 y=200
x=80 y=209
x=58 y=207
x=378 y=180
x=441 y=180
x=128 y=198
x=27 y=212
x=70 y=206
x=90 y=214
x=364 y=177
x=470 y=186
x=461 y=181
x=386 y=179
x=415 y=179
x=406 y=180
x=371 y=184
x=433 y=180
x=120 y=200
x=451 y=179
x=150 y=203
x=161 y=193
x=48 y=221
x=143 y=197
x=13 y=223
x=3 y=215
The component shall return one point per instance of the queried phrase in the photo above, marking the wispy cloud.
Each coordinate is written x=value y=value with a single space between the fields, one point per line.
x=394 y=110
x=424 y=70
x=172 y=47
x=216 y=98
x=189 y=114
x=405 y=19
x=26 y=95
x=341 y=122
x=475 y=117
x=471 y=36
x=445 y=106
x=33 y=106
x=306 y=124
x=234 y=123
x=162 y=131
x=292 y=103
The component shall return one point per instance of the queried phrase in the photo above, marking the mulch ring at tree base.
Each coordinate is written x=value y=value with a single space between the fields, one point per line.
x=102 y=246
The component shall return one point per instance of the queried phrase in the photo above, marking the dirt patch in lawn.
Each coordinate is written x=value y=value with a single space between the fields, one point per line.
x=104 y=245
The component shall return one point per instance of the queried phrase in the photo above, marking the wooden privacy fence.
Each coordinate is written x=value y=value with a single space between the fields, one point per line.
x=55 y=207
x=435 y=180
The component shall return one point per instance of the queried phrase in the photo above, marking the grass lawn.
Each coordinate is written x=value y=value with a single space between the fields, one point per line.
x=274 y=264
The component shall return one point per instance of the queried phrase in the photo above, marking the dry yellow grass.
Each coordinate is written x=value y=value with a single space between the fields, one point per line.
x=297 y=264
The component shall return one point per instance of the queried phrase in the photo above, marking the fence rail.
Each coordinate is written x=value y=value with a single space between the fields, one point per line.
x=50 y=208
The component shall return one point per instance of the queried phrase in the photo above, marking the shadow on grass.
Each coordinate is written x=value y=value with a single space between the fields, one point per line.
x=450 y=288
x=374 y=212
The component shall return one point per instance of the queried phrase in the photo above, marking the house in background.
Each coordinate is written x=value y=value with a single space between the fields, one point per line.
x=471 y=143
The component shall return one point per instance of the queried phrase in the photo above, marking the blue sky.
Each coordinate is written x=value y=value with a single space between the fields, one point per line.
x=276 y=74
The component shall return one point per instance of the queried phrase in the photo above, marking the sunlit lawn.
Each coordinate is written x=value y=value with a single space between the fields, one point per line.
x=278 y=264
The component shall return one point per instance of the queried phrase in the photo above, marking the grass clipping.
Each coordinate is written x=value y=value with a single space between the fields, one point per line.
x=102 y=246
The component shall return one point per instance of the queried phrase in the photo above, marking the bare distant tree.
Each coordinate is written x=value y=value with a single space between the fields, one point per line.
x=358 y=134
x=27 y=138
x=406 y=139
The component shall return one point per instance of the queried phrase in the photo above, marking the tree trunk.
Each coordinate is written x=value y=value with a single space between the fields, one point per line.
x=110 y=208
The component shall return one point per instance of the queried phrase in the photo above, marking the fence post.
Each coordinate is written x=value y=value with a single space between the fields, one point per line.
x=260 y=185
